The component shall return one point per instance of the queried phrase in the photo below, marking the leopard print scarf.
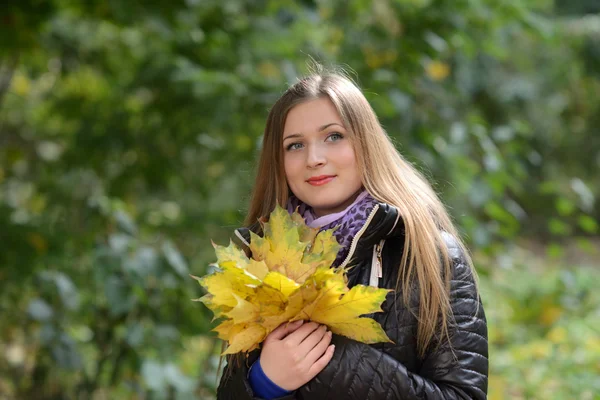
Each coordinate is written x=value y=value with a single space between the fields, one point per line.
x=348 y=221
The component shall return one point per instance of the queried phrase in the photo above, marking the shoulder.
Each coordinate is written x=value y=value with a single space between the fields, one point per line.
x=459 y=258
x=453 y=247
x=460 y=262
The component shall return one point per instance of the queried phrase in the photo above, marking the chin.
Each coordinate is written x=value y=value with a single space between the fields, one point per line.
x=328 y=207
x=321 y=201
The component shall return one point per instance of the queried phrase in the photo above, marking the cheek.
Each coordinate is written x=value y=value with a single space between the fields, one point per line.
x=346 y=159
x=347 y=163
x=290 y=165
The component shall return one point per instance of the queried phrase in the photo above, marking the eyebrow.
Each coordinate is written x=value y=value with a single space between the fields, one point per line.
x=322 y=128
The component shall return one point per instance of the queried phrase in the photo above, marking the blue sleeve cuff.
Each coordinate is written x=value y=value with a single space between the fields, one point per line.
x=262 y=386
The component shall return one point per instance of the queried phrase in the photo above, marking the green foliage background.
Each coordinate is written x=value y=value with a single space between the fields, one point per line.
x=128 y=134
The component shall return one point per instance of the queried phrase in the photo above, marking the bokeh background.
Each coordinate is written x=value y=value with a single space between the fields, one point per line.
x=128 y=136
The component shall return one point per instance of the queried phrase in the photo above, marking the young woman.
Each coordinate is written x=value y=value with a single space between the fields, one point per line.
x=325 y=153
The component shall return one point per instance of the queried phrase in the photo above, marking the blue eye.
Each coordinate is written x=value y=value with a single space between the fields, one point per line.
x=334 y=137
x=294 y=146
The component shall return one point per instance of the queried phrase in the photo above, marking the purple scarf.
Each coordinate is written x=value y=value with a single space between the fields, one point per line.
x=349 y=220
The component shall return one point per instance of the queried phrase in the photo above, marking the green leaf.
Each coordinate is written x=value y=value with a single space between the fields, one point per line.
x=125 y=222
x=588 y=224
x=555 y=250
x=143 y=262
x=39 y=310
x=565 y=207
x=181 y=382
x=67 y=291
x=175 y=259
x=119 y=242
x=153 y=375
x=558 y=227
x=586 y=245
x=65 y=354
x=118 y=295
x=135 y=335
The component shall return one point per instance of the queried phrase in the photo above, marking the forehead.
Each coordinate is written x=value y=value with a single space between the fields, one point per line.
x=310 y=116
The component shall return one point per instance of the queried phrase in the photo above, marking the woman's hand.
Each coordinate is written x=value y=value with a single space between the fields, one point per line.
x=295 y=353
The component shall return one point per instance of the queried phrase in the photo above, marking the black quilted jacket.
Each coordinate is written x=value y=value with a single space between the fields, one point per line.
x=394 y=371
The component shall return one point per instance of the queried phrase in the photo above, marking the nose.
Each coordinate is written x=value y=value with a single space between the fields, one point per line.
x=315 y=157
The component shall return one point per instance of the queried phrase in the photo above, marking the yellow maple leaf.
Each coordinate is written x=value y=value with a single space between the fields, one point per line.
x=243 y=312
x=323 y=251
x=341 y=315
x=306 y=233
x=281 y=282
x=223 y=329
x=233 y=254
x=288 y=278
x=223 y=284
x=245 y=338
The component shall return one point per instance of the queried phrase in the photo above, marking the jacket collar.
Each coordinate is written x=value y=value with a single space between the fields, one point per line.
x=383 y=222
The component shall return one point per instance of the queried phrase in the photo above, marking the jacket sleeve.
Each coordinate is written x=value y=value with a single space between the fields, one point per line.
x=234 y=384
x=359 y=371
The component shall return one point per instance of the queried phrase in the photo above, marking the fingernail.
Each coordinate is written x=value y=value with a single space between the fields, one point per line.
x=329 y=333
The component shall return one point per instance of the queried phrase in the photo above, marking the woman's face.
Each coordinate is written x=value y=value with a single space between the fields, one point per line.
x=319 y=160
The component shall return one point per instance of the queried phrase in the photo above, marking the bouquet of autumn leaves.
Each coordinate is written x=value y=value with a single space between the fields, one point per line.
x=288 y=278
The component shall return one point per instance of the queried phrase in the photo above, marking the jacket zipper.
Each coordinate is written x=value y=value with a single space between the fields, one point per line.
x=358 y=235
x=379 y=248
x=376 y=264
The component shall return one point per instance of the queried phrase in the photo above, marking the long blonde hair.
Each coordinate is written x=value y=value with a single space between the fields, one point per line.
x=388 y=177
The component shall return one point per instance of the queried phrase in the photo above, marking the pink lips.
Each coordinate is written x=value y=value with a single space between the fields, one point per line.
x=320 y=180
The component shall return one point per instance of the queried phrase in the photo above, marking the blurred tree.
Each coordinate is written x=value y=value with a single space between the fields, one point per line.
x=128 y=132
x=577 y=7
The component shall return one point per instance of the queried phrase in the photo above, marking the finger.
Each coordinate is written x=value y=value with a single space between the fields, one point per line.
x=296 y=337
x=312 y=340
x=318 y=351
x=283 y=330
x=322 y=362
